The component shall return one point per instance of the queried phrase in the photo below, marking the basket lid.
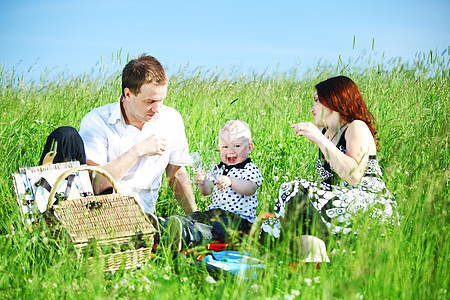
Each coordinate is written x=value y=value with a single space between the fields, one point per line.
x=104 y=217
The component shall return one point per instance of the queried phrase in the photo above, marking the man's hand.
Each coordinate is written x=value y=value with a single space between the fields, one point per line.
x=120 y=166
x=153 y=145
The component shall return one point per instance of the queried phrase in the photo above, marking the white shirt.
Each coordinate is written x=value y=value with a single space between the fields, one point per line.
x=106 y=137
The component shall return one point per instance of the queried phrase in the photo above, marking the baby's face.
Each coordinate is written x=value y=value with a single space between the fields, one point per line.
x=233 y=148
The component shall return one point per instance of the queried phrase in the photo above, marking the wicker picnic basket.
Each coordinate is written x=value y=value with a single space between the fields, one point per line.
x=110 y=231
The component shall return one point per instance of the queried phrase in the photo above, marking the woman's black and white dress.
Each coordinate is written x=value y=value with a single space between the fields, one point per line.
x=335 y=201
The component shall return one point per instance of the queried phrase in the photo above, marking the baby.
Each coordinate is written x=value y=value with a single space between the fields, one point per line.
x=238 y=178
x=234 y=202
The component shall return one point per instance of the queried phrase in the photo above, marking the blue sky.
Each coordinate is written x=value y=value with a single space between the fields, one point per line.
x=73 y=36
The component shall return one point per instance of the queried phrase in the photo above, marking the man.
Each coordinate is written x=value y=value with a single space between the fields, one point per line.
x=138 y=138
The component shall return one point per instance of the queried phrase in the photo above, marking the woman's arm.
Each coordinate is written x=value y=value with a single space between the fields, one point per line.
x=360 y=143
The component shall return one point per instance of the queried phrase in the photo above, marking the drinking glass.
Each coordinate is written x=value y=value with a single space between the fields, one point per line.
x=196 y=162
x=211 y=171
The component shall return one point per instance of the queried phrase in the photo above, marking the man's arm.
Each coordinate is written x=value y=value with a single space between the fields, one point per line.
x=181 y=185
x=116 y=168
x=119 y=167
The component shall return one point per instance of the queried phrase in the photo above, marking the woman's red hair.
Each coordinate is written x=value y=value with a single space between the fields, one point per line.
x=342 y=95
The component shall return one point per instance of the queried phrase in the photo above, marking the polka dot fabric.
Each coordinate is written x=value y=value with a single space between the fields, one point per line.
x=231 y=201
x=336 y=201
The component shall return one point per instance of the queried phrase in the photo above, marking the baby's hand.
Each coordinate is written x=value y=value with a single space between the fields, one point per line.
x=223 y=182
x=200 y=177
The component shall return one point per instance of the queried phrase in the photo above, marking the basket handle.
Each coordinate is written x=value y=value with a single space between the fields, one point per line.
x=64 y=175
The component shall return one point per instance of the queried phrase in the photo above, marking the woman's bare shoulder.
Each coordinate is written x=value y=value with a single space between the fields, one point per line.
x=358 y=126
x=360 y=132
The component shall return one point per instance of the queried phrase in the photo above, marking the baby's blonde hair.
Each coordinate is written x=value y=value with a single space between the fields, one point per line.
x=238 y=128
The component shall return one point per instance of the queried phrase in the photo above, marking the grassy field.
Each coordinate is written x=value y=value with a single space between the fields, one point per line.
x=409 y=101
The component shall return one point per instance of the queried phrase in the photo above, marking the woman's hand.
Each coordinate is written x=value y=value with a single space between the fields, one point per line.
x=360 y=144
x=309 y=131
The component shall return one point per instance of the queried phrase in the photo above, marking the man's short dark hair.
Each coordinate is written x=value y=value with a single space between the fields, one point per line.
x=143 y=70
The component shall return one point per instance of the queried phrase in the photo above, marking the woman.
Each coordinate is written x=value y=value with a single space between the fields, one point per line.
x=350 y=177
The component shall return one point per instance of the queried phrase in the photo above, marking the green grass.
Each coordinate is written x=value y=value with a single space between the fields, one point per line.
x=410 y=102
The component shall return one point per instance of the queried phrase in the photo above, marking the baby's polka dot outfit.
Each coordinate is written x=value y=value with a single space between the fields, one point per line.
x=231 y=201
